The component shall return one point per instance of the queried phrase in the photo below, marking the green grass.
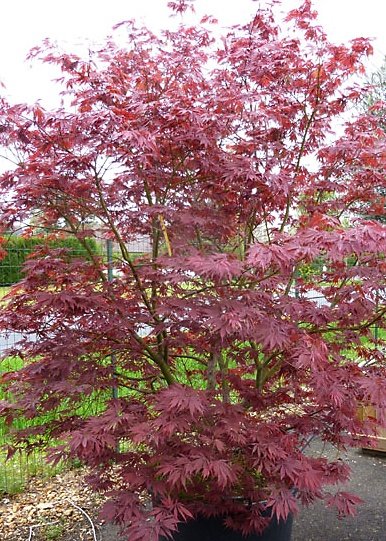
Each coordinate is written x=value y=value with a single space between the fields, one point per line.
x=15 y=472
x=18 y=470
x=53 y=531
x=378 y=340
x=3 y=291
x=9 y=365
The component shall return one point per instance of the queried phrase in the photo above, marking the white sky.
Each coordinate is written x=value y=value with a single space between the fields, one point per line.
x=25 y=23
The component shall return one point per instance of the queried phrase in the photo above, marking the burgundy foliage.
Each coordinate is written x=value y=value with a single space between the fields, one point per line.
x=241 y=161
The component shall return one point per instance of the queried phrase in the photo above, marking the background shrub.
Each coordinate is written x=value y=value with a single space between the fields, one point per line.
x=19 y=248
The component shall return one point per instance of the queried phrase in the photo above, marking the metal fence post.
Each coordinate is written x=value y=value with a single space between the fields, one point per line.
x=376 y=332
x=109 y=253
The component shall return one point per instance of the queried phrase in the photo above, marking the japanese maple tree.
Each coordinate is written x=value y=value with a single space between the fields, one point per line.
x=241 y=161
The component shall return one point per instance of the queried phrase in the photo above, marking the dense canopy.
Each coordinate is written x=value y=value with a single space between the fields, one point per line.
x=241 y=161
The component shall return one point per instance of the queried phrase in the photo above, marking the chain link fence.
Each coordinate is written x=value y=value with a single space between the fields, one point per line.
x=15 y=472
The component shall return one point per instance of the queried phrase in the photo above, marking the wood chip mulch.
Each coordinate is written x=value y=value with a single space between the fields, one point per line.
x=52 y=510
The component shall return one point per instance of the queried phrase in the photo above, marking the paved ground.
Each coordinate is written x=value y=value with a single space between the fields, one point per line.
x=319 y=524
x=369 y=482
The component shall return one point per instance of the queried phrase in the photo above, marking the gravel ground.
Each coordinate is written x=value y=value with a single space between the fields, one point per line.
x=317 y=523
x=369 y=482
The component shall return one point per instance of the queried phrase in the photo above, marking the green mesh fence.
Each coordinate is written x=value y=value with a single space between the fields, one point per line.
x=15 y=472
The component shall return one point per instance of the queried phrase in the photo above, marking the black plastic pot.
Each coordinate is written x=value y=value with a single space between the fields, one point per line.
x=213 y=529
